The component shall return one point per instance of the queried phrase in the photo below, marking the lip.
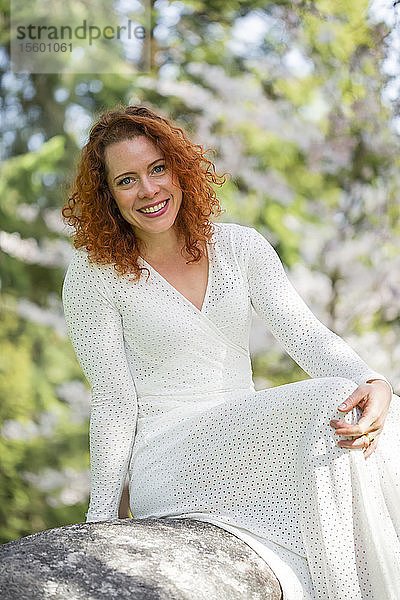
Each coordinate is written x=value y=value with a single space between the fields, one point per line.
x=151 y=205
x=160 y=212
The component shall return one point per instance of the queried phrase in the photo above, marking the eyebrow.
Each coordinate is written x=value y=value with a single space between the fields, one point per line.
x=130 y=172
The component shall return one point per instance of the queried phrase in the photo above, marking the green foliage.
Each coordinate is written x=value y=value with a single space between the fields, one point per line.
x=34 y=361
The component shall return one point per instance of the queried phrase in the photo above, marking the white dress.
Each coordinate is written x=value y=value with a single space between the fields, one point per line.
x=174 y=406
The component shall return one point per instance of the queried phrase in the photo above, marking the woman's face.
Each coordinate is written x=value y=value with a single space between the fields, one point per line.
x=137 y=178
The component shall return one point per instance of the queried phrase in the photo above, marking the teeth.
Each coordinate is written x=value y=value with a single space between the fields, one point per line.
x=153 y=208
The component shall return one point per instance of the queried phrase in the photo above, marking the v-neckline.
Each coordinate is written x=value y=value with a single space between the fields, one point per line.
x=180 y=295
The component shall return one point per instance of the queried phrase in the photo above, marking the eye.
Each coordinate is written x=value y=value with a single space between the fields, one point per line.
x=158 y=167
x=124 y=181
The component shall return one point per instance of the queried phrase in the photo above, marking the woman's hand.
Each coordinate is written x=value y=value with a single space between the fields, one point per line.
x=374 y=399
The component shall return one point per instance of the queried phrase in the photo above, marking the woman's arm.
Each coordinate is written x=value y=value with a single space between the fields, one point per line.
x=318 y=350
x=95 y=329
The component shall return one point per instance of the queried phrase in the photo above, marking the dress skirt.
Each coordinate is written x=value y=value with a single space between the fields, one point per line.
x=265 y=466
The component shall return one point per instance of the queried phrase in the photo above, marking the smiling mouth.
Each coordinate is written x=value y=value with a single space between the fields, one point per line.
x=155 y=208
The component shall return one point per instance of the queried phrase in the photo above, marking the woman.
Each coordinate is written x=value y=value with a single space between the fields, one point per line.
x=173 y=401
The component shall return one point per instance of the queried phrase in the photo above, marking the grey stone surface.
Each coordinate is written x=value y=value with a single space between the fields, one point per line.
x=144 y=559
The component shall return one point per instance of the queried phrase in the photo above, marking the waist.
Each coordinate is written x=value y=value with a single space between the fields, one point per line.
x=186 y=402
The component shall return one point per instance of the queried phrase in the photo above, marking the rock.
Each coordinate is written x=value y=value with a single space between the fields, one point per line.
x=139 y=559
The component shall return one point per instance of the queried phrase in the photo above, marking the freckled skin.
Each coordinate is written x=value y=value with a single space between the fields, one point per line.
x=135 y=182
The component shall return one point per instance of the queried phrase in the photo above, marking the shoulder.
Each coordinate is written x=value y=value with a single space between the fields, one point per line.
x=233 y=231
x=251 y=249
x=238 y=236
x=241 y=243
x=81 y=272
x=79 y=257
x=80 y=263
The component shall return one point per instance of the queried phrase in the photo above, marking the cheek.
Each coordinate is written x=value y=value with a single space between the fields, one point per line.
x=122 y=199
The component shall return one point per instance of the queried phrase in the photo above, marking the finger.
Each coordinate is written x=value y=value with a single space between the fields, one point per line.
x=366 y=423
x=355 y=398
x=371 y=449
x=360 y=443
x=347 y=429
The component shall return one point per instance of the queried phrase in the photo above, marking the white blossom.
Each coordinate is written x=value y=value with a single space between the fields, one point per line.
x=48 y=253
x=43 y=316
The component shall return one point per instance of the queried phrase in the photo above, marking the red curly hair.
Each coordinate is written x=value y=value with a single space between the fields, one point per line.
x=93 y=212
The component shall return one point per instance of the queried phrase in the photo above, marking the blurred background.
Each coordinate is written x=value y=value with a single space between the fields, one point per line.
x=300 y=102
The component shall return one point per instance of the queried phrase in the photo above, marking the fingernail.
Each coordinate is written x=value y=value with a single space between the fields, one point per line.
x=343 y=405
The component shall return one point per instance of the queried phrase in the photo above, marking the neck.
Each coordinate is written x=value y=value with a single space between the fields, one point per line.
x=158 y=246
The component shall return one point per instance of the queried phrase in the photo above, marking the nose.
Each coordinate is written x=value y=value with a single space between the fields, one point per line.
x=148 y=188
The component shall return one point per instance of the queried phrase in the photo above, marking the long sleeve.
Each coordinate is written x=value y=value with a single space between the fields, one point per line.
x=317 y=349
x=95 y=329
